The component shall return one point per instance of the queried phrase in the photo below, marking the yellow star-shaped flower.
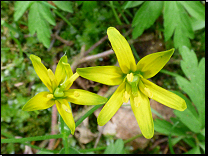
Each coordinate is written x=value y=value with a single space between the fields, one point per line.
x=59 y=92
x=133 y=83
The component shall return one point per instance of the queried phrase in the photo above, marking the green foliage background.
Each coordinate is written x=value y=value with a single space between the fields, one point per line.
x=28 y=28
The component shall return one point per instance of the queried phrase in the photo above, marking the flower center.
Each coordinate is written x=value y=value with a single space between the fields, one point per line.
x=133 y=80
x=58 y=92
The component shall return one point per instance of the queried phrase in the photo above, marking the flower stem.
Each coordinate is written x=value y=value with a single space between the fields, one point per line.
x=64 y=136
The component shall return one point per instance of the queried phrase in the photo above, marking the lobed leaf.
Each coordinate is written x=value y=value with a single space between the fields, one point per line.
x=177 y=22
x=64 y=5
x=131 y=4
x=195 y=86
x=36 y=22
x=20 y=7
x=146 y=16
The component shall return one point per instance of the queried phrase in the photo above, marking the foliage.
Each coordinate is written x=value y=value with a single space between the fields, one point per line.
x=30 y=27
x=176 y=19
x=191 y=122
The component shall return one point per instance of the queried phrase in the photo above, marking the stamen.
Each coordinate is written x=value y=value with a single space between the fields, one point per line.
x=50 y=96
x=66 y=108
x=76 y=94
x=148 y=92
x=126 y=97
x=136 y=101
x=130 y=77
x=51 y=75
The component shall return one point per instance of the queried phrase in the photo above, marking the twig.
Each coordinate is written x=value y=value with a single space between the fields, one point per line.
x=77 y=58
x=158 y=142
x=60 y=25
x=93 y=57
x=68 y=43
x=95 y=45
x=54 y=116
x=99 y=136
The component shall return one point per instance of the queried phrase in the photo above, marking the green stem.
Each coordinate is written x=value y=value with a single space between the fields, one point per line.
x=60 y=15
x=64 y=137
x=169 y=73
x=115 y=14
x=37 y=138
x=18 y=44
x=87 y=114
x=132 y=138
x=104 y=147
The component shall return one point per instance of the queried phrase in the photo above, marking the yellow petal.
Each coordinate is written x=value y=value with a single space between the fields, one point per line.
x=83 y=97
x=111 y=106
x=41 y=71
x=141 y=108
x=63 y=70
x=122 y=50
x=164 y=96
x=151 y=64
x=109 y=75
x=54 y=83
x=40 y=101
x=66 y=113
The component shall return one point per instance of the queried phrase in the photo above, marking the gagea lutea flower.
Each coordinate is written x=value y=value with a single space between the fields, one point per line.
x=133 y=83
x=59 y=92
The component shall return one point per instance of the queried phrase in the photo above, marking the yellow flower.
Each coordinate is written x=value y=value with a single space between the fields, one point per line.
x=133 y=83
x=59 y=92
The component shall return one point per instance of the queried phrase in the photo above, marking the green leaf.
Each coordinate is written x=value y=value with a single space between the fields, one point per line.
x=195 y=87
x=71 y=151
x=64 y=5
x=176 y=140
x=46 y=12
x=177 y=21
x=197 y=24
x=202 y=145
x=119 y=145
x=190 y=141
x=195 y=9
x=189 y=116
x=194 y=150
x=20 y=7
x=115 y=148
x=146 y=16
x=131 y=4
x=36 y=22
x=88 y=6
x=164 y=127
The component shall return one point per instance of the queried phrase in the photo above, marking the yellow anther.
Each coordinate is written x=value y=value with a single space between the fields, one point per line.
x=68 y=110
x=130 y=77
x=50 y=96
x=126 y=97
x=76 y=94
x=148 y=92
x=136 y=101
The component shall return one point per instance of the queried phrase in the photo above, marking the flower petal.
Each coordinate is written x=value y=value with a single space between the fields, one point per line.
x=122 y=50
x=38 y=102
x=111 y=106
x=66 y=113
x=41 y=71
x=109 y=75
x=143 y=114
x=63 y=70
x=164 y=96
x=151 y=64
x=83 y=97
